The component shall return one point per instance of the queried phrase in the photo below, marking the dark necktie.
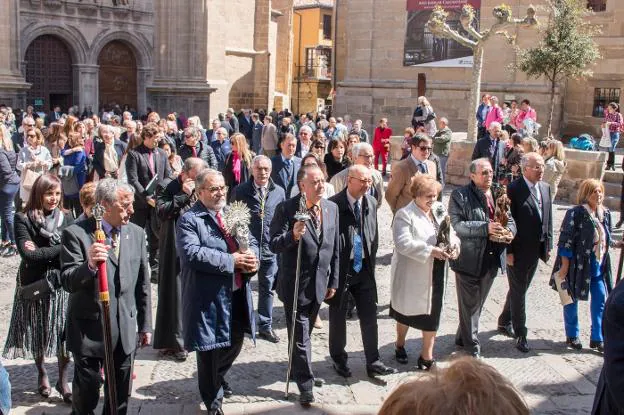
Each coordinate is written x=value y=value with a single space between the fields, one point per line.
x=538 y=200
x=357 y=237
x=423 y=168
x=315 y=216
x=232 y=247
x=194 y=150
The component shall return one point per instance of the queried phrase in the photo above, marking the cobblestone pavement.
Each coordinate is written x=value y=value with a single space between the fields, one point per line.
x=553 y=379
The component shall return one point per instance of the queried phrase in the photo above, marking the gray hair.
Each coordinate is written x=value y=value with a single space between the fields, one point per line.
x=477 y=162
x=28 y=118
x=524 y=161
x=495 y=124
x=203 y=176
x=259 y=158
x=302 y=174
x=194 y=131
x=305 y=128
x=107 y=127
x=107 y=190
x=444 y=120
x=223 y=130
x=192 y=163
x=358 y=148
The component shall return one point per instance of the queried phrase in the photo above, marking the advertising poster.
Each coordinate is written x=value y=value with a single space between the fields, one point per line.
x=422 y=48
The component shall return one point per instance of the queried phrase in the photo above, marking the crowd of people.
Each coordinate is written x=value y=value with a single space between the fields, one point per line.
x=313 y=187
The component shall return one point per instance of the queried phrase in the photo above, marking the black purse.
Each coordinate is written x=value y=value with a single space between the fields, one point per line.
x=36 y=290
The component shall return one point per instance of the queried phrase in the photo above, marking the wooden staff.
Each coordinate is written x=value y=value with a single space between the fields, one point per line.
x=109 y=364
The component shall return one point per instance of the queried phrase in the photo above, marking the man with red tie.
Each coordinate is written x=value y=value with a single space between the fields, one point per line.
x=193 y=146
x=217 y=307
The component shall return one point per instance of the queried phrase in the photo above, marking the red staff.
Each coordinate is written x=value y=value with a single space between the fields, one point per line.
x=109 y=366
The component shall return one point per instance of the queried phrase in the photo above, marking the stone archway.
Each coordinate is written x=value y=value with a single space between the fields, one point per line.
x=48 y=64
x=117 y=77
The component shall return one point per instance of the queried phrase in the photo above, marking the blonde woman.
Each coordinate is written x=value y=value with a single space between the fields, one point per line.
x=554 y=165
x=33 y=160
x=424 y=116
x=237 y=168
x=55 y=144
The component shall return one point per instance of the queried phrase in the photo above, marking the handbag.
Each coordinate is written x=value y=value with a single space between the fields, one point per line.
x=39 y=289
x=605 y=140
x=430 y=117
x=28 y=179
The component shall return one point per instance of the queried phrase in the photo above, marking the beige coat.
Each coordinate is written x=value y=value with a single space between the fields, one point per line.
x=268 y=141
x=398 y=193
x=414 y=237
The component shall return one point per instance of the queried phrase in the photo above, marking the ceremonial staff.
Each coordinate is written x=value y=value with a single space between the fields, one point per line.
x=300 y=216
x=109 y=366
x=620 y=264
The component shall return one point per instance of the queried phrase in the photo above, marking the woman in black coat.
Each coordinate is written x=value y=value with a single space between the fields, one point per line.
x=237 y=168
x=335 y=159
x=38 y=322
x=9 y=186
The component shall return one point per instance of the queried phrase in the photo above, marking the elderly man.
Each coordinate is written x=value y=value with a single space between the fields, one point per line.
x=173 y=198
x=217 y=306
x=362 y=154
x=193 y=146
x=531 y=208
x=127 y=268
x=262 y=196
x=357 y=128
x=130 y=127
x=256 y=135
x=28 y=123
x=442 y=143
x=221 y=147
x=210 y=134
x=359 y=239
x=471 y=209
x=304 y=143
x=490 y=147
x=318 y=281
x=246 y=124
x=286 y=165
x=269 y=137
x=232 y=120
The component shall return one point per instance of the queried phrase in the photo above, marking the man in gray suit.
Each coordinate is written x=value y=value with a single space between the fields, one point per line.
x=125 y=254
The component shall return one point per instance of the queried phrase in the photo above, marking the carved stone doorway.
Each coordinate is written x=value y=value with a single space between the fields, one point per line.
x=49 y=70
x=118 y=76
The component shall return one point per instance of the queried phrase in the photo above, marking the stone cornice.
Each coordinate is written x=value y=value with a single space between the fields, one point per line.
x=244 y=52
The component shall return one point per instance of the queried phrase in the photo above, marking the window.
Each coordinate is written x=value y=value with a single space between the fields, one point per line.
x=597 y=5
x=327 y=27
x=602 y=98
x=318 y=62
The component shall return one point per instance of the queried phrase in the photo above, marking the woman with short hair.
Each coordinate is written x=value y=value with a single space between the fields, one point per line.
x=33 y=160
x=424 y=116
x=335 y=159
x=554 y=165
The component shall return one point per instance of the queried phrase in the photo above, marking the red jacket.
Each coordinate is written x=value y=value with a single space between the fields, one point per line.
x=381 y=137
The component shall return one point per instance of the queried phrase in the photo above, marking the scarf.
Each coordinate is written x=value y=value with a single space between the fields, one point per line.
x=236 y=166
x=47 y=226
x=110 y=158
x=600 y=237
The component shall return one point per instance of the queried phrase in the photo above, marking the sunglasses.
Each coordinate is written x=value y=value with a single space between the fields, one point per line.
x=323 y=147
x=425 y=148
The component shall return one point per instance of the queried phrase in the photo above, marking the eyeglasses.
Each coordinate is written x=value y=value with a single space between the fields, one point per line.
x=215 y=189
x=188 y=136
x=487 y=173
x=363 y=181
x=425 y=148
x=366 y=156
x=538 y=167
x=31 y=135
x=320 y=147
x=29 y=125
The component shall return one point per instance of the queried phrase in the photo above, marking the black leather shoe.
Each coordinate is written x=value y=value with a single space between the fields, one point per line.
x=574 y=343
x=342 y=369
x=522 y=344
x=400 y=355
x=426 y=364
x=227 y=390
x=598 y=345
x=378 y=368
x=306 y=398
x=507 y=330
x=217 y=411
x=269 y=335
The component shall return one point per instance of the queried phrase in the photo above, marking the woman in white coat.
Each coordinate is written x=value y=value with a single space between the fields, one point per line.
x=419 y=268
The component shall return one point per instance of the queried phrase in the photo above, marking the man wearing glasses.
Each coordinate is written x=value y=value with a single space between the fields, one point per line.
x=221 y=146
x=471 y=209
x=28 y=124
x=362 y=154
x=420 y=161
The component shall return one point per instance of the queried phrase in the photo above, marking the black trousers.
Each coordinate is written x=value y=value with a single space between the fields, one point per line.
x=362 y=288
x=471 y=295
x=148 y=220
x=213 y=365
x=520 y=278
x=301 y=371
x=87 y=382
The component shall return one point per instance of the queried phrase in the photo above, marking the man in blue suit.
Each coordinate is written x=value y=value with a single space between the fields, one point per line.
x=286 y=165
x=482 y=112
x=217 y=308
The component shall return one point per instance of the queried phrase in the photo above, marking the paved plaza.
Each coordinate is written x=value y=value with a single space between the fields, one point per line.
x=552 y=379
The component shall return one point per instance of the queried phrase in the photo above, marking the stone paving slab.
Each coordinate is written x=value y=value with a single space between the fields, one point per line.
x=552 y=378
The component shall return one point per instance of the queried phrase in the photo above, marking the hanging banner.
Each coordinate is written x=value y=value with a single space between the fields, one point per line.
x=422 y=48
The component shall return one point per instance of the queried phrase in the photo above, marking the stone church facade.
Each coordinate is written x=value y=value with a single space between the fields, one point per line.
x=192 y=56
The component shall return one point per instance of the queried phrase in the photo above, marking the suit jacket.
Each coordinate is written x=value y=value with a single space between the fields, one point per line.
x=128 y=285
x=339 y=181
x=280 y=175
x=534 y=236
x=319 y=258
x=245 y=127
x=52 y=117
x=256 y=137
x=482 y=150
x=139 y=173
x=398 y=192
x=233 y=121
x=98 y=157
x=204 y=152
x=269 y=137
x=346 y=230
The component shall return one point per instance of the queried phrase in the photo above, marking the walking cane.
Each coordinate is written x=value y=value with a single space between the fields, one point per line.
x=300 y=216
x=109 y=366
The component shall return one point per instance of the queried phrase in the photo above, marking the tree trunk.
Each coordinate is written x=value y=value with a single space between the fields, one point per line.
x=553 y=85
x=475 y=93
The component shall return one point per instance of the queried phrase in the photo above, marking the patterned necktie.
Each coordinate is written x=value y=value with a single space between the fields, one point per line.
x=315 y=216
x=232 y=247
x=357 y=237
x=538 y=201
x=115 y=241
x=423 y=168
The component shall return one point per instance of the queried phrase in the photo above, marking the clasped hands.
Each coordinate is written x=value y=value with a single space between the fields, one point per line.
x=245 y=261
x=497 y=233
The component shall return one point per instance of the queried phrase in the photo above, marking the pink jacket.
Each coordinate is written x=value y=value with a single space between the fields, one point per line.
x=495 y=114
x=524 y=115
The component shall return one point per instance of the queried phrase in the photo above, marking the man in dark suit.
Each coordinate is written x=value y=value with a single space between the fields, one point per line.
x=490 y=147
x=142 y=164
x=245 y=124
x=193 y=146
x=482 y=111
x=286 y=165
x=318 y=280
x=262 y=196
x=53 y=116
x=217 y=306
x=130 y=296
x=221 y=146
x=28 y=123
x=256 y=135
x=358 y=251
x=531 y=209
x=232 y=121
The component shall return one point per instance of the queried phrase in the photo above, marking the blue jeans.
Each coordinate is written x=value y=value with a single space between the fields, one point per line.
x=598 y=297
x=7 y=195
x=5 y=391
x=266 y=278
x=615 y=137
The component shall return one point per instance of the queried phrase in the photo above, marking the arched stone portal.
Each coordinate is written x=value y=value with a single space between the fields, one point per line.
x=49 y=70
x=117 y=78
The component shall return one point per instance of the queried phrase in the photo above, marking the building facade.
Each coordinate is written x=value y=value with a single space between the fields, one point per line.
x=386 y=58
x=179 y=55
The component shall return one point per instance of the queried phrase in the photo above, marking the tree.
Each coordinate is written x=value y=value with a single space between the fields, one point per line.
x=567 y=48
x=476 y=41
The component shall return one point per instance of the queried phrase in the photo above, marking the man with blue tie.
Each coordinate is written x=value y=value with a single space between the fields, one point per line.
x=357 y=211
x=286 y=165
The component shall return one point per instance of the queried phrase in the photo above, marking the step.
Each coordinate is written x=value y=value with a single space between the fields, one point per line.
x=613 y=176
x=612 y=189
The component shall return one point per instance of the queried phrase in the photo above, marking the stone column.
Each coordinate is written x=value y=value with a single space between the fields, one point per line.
x=12 y=84
x=144 y=78
x=86 y=82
